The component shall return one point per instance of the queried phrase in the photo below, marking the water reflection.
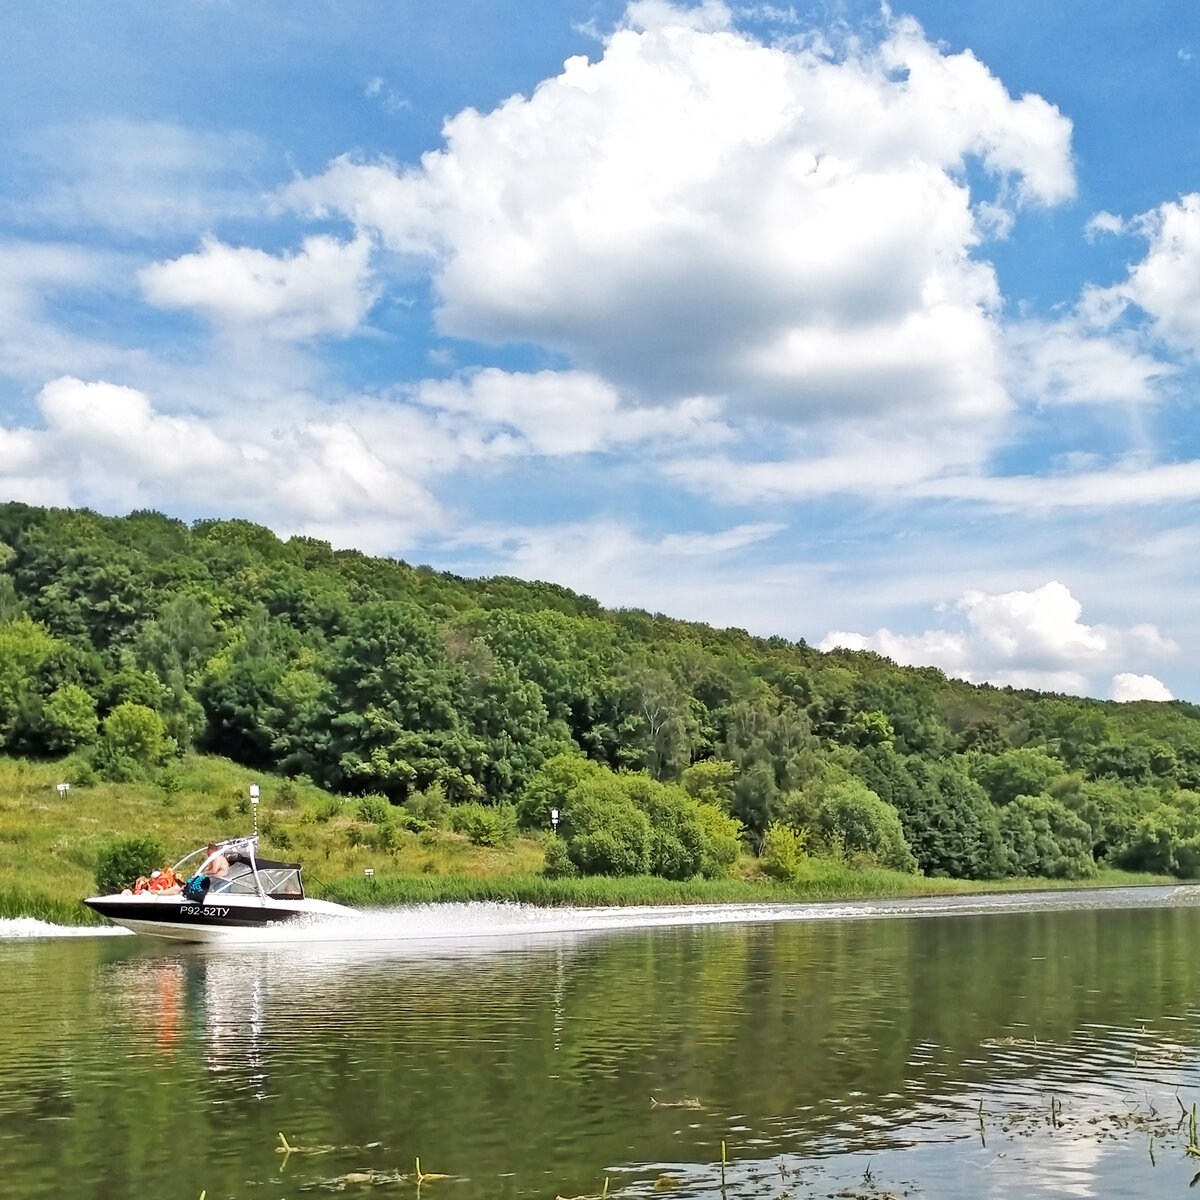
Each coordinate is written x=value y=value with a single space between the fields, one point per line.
x=814 y=1051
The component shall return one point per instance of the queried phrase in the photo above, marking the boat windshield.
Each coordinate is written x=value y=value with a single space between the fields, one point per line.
x=279 y=882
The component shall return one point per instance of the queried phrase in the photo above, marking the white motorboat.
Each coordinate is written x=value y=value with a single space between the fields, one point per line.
x=254 y=894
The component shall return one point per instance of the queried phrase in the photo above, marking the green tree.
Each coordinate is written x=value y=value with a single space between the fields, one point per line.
x=25 y=650
x=851 y=815
x=135 y=732
x=1043 y=837
x=1029 y=771
x=69 y=719
x=606 y=833
x=550 y=786
x=1166 y=839
x=711 y=781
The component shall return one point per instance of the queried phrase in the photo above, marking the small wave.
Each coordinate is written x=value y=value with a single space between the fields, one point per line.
x=499 y=921
x=30 y=927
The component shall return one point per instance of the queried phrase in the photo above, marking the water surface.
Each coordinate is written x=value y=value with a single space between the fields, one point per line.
x=533 y=1054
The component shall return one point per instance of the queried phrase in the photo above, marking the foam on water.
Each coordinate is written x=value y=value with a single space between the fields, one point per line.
x=30 y=927
x=501 y=921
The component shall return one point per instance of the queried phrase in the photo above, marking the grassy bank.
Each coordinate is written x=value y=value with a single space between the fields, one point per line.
x=49 y=842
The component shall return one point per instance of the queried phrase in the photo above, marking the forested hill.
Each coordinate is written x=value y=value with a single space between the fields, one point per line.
x=123 y=640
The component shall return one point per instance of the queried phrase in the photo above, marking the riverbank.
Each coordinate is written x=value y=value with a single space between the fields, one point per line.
x=49 y=841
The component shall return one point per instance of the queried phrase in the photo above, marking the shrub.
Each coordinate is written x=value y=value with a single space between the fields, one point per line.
x=483 y=824
x=137 y=732
x=118 y=864
x=551 y=784
x=390 y=838
x=722 y=840
x=114 y=767
x=676 y=835
x=1166 y=839
x=282 y=838
x=375 y=809
x=329 y=808
x=288 y=794
x=1043 y=837
x=854 y=816
x=558 y=863
x=428 y=809
x=170 y=781
x=711 y=781
x=607 y=834
x=83 y=775
x=69 y=719
x=782 y=852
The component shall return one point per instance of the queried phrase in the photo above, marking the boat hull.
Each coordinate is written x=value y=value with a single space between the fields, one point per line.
x=182 y=920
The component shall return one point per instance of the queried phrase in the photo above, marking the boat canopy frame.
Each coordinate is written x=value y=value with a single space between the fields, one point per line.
x=245 y=850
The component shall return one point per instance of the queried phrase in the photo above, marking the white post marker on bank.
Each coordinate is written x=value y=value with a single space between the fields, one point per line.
x=254 y=805
x=63 y=789
x=554 y=820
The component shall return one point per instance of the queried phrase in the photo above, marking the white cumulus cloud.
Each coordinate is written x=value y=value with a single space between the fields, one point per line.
x=1126 y=687
x=1033 y=639
x=560 y=412
x=106 y=445
x=699 y=213
x=324 y=288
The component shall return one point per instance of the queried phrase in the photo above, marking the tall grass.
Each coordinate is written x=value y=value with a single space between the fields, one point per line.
x=46 y=908
x=827 y=880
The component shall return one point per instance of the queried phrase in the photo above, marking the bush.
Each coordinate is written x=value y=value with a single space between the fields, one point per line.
x=483 y=824
x=170 y=781
x=377 y=810
x=83 y=775
x=722 y=840
x=329 y=808
x=676 y=836
x=551 y=784
x=288 y=794
x=114 y=767
x=390 y=838
x=281 y=838
x=1043 y=837
x=782 y=852
x=428 y=809
x=69 y=719
x=558 y=863
x=1166 y=839
x=607 y=834
x=136 y=732
x=118 y=864
x=711 y=781
x=854 y=816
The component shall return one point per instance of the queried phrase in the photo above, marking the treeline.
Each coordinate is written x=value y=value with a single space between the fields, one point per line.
x=126 y=641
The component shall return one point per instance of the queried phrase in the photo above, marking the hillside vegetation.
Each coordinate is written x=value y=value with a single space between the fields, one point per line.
x=445 y=706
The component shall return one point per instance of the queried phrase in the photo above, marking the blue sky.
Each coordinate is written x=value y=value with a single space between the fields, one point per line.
x=877 y=327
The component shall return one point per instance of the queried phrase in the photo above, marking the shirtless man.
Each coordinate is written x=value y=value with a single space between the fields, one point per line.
x=216 y=864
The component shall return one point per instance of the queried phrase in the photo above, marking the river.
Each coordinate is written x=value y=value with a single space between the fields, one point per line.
x=1036 y=1046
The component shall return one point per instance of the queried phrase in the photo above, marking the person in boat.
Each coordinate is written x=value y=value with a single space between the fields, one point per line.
x=216 y=864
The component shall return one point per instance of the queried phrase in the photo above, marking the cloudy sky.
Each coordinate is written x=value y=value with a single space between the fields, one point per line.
x=877 y=327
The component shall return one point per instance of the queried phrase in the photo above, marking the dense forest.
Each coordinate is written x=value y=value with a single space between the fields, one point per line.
x=667 y=746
